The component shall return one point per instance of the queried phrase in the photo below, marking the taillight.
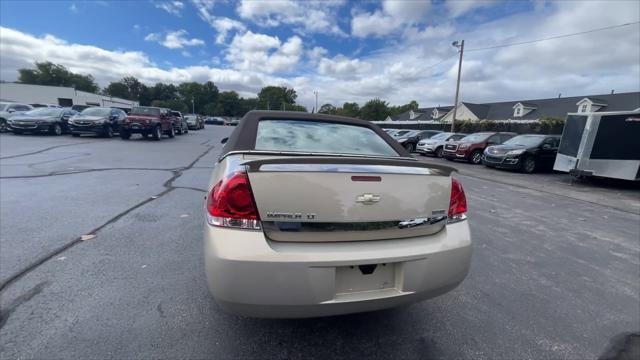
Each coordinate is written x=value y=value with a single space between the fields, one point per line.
x=457 y=202
x=230 y=203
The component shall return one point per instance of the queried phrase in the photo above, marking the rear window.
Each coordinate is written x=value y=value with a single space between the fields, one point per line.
x=320 y=137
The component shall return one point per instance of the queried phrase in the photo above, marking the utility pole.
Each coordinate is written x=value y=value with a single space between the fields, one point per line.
x=455 y=104
x=193 y=106
x=316 y=108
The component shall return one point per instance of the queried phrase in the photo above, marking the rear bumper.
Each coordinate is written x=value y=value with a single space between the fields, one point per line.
x=252 y=276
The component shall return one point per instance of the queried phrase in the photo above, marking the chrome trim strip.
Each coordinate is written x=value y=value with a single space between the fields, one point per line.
x=352 y=231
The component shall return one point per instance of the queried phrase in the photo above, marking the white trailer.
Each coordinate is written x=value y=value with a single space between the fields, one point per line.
x=604 y=144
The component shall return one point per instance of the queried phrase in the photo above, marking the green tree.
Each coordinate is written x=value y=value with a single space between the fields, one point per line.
x=117 y=89
x=228 y=104
x=327 y=109
x=396 y=110
x=48 y=73
x=349 y=109
x=247 y=105
x=173 y=104
x=374 y=109
x=296 y=107
x=276 y=97
x=196 y=95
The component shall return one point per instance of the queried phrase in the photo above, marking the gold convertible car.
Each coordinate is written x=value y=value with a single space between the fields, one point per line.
x=315 y=215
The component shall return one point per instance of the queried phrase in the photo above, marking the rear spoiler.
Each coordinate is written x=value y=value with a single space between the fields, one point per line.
x=358 y=164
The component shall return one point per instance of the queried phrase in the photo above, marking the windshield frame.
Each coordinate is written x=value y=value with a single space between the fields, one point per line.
x=96 y=108
x=540 y=139
x=45 y=111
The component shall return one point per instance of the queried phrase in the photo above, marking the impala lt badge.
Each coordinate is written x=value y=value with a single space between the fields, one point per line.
x=368 y=199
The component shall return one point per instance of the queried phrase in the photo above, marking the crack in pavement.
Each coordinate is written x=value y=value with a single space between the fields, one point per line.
x=73 y=172
x=43 y=150
x=167 y=184
x=5 y=313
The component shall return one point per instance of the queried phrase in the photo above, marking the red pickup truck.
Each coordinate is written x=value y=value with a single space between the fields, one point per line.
x=148 y=121
x=471 y=147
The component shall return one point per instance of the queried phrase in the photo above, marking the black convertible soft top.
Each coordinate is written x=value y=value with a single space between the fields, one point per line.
x=243 y=137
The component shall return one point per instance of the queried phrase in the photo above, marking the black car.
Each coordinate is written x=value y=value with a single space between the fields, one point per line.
x=101 y=121
x=45 y=119
x=523 y=152
x=214 y=121
x=409 y=139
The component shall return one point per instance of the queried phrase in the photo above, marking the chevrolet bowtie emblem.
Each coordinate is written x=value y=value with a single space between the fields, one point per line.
x=368 y=199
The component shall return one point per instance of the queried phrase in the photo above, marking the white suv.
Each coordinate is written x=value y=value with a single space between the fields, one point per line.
x=435 y=144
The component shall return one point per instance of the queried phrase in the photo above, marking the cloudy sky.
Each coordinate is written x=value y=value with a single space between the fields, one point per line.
x=347 y=51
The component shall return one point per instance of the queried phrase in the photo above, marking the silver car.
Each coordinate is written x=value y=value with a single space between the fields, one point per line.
x=314 y=215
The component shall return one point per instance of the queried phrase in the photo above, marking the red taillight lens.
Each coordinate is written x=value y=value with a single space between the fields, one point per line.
x=457 y=202
x=230 y=203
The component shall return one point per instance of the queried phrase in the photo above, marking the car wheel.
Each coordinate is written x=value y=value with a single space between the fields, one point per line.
x=172 y=132
x=439 y=152
x=186 y=130
x=75 y=134
x=108 y=132
x=157 y=133
x=179 y=131
x=529 y=165
x=476 y=157
x=56 y=129
x=124 y=134
x=449 y=159
x=410 y=147
x=3 y=125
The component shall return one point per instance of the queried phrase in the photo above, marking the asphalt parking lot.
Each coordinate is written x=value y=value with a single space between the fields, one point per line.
x=554 y=274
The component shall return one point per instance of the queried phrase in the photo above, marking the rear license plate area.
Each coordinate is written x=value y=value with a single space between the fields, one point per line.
x=356 y=278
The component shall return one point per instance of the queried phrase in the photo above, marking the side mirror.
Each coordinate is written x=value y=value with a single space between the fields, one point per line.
x=11 y=110
x=224 y=141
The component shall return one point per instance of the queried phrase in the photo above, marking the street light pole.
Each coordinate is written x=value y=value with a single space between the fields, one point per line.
x=316 y=107
x=455 y=104
x=193 y=106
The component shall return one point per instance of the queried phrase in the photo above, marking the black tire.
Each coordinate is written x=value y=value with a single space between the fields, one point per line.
x=449 y=159
x=75 y=134
x=186 y=130
x=476 y=157
x=108 y=132
x=3 y=125
x=55 y=129
x=172 y=132
x=179 y=132
x=125 y=134
x=529 y=165
x=438 y=152
x=410 y=147
x=157 y=133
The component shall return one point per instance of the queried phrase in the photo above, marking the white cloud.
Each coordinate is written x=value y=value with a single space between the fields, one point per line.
x=393 y=15
x=223 y=25
x=172 y=7
x=460 y=7
x=305 y=16
x=174 y=39
x=343 y=67
x=252 y=51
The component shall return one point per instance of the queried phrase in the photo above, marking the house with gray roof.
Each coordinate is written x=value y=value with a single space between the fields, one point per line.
x=526 y=110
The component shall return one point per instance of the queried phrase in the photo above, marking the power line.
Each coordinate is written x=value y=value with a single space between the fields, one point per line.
x=440 y=62
x=554 y=37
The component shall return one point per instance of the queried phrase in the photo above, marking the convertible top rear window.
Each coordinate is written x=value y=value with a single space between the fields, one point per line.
x=285 y=131
x=320 y=137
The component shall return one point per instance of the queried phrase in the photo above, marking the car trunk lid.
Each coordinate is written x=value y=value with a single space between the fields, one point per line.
x=324 y=198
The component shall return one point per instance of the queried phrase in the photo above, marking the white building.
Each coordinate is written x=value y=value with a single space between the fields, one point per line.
x=63 y=96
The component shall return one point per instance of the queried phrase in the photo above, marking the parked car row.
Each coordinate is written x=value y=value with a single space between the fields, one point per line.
x=101 y=121
x=528 y=153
